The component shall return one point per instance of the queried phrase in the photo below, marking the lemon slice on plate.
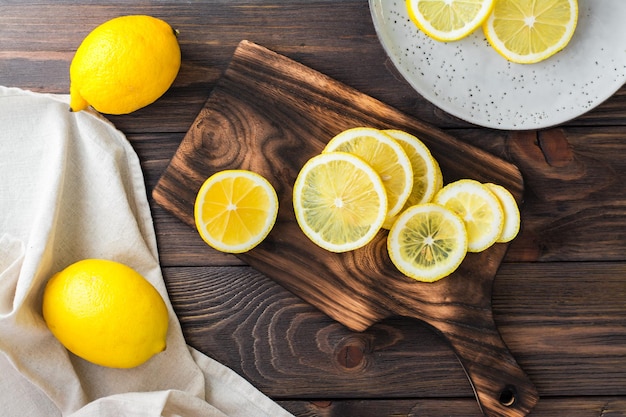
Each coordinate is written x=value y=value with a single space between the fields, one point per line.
x=448 y=20
x=340 y=201
x=385 y=155
x=528 y=32
x=479 y=208
x=235 y=210
x=427 y=242
x=511 y=212
x=427 y=177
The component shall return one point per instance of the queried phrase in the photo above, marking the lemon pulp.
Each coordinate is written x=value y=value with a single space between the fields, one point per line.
x=235 y=210
x=385 y=155
x=529 y=32
x=479 y=208
x=339 y=201
x=448 y=20
x=427 y=242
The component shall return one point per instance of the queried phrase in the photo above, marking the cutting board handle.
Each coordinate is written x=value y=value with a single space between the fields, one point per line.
x=501 y=387
x=270 y=114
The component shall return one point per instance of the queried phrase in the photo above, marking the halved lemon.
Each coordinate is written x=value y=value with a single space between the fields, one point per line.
x=479 y=208
x=339 y=200
x=427 y=242
x=235 y=210
x=531 y=31
x=511 y=212
x=427 y=177
x=448 y=20
x=385 y=155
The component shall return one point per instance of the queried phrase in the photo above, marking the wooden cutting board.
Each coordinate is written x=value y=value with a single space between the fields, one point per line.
x=270 y=114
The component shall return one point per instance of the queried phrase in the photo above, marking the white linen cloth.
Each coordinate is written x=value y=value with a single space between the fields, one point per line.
x=71 y=187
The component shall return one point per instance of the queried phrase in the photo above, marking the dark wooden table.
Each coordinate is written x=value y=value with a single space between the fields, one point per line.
x=559 y=298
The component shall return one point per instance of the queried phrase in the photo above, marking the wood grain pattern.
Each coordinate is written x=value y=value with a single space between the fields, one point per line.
x=335 y=38
x=559 y=298
x=564 y=322
x=577 y=407
x=554 y=216
x=270 y=114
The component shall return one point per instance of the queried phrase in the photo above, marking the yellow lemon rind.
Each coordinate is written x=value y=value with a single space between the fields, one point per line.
x=434 y=182
x=480 y=237
x=124 y=64
x=449 y=35
x=399 y=187
x=304 y=215
x=511 y=212
x=271 y=211
x=419 y=154
x=499 y=45
x=106 y=313
x=403 y=231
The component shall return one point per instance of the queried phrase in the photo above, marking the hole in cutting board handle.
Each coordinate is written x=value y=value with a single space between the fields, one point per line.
x=508 y=396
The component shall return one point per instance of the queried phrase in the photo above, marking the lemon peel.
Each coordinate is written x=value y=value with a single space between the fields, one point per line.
x=428 y=242
x=124 y=64
x=479 y=208
x=339 y=200
x=448 y=20
x=106 y=313
x=530 y=32
x=235 y=210
x=512 y=221
x=385 y=155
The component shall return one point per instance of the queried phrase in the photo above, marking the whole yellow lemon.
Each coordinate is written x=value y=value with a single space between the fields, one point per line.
x=106 y=312
x=124 y=64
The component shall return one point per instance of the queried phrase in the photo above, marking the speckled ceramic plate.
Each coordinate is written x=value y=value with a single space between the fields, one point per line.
x=471 y=81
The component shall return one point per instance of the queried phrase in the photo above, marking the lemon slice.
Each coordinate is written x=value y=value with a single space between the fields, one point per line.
x=528 y=32
x=427 y=242
x=235 y=210
x=448 y=20
x=479 y=208
x=511 y=212
x=427 y=177
x=339 y=200
x=385 y=155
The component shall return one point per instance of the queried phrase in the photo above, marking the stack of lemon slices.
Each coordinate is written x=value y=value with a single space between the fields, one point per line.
x=338 y=210
x=521 y=31
x=367 y=179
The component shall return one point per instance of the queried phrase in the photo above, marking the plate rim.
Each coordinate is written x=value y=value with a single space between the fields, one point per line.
x=457 y=111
